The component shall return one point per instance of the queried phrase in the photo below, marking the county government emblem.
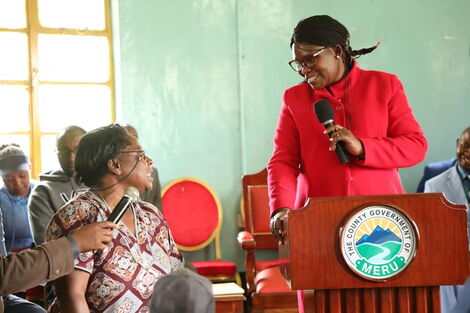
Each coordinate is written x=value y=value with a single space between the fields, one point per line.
x=378 y=242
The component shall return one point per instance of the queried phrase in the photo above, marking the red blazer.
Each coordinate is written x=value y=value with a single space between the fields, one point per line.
x=371 y=104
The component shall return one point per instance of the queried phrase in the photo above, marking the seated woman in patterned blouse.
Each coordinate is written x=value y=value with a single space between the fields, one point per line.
x=121 y=277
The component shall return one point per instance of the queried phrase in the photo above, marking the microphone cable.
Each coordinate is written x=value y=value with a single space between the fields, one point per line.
x=119 y=181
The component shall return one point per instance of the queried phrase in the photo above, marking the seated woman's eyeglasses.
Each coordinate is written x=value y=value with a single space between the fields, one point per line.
x=309 y=61
x=141 y=154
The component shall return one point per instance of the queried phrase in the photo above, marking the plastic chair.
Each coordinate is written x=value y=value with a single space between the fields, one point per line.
x=194 y=214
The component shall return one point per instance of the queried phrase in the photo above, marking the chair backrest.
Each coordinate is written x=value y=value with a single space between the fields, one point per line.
x=194 y=214
x=256 y=209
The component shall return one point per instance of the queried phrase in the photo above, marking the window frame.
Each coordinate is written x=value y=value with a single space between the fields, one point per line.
x=33 y=29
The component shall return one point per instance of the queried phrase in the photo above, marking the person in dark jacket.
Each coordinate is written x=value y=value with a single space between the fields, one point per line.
x=46 y=262
x=56 y=187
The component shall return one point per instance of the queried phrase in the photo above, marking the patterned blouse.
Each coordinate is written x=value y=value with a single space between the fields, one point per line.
x=122 y=275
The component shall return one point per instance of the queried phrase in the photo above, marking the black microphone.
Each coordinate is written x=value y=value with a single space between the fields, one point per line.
x=325 y=115
x=131 y=194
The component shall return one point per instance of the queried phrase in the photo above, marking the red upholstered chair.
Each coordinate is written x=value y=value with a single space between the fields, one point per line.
x=194 y=214
x=267 y=289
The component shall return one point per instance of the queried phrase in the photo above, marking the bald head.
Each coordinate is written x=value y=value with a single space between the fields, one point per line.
x=130 y=129
x=465 y=131
x=67 y=131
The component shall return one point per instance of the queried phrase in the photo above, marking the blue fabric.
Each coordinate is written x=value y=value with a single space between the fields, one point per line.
x=463 y=306
x=434 y=169
x=450 y=183
x=451 y=296
x=74 y=244
x=14 y=304
x=15 y=220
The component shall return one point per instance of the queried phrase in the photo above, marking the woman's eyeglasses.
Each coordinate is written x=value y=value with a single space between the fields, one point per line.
x=141 y=154
x=309 y=61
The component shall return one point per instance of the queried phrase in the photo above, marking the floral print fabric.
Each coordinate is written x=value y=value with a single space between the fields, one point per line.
x=122 y=275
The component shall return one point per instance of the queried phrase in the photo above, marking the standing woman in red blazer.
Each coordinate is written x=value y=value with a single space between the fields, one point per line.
x=372 y=118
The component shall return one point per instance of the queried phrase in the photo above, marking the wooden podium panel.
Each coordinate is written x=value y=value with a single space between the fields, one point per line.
x=375 y=300
x=312 y=255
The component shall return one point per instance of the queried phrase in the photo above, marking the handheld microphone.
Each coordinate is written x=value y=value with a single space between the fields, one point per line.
x=131 y=194
x=325 y=115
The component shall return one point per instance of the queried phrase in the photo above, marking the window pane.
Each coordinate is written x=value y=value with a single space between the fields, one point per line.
x=73 y=58
x=81 y=14
x=13 y=56
x=14 y=105
x=12 y=14
x=87 y=106
x=22 y=140
x=48 y=154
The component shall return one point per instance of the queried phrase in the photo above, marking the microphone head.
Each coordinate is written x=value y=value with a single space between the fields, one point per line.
x=132 y=193
x=323 y=110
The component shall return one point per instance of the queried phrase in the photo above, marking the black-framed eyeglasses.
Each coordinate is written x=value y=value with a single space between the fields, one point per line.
x=141 y=153
x=309 y=61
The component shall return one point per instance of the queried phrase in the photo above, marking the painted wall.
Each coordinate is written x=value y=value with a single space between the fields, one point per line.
x=202 y=79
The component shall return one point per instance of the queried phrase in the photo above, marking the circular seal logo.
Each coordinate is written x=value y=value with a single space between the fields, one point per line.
x=378 y=242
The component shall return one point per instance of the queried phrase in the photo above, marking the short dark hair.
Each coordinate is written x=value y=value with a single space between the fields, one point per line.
x=67 y=131
x=323 y=30
x=94 y=151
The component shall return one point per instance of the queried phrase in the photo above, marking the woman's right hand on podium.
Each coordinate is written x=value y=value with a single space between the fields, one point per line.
x=276 y=225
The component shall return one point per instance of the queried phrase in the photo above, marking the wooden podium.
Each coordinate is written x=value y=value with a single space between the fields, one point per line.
x=357 y=252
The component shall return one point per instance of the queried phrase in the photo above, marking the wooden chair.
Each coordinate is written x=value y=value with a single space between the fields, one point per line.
x=267 y=289
x=194 y=214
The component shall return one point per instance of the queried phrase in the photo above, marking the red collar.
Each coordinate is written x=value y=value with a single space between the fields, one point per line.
x=338 y=89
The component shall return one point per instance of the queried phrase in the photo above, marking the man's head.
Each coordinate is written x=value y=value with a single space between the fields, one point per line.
x=463 y=149
x=66 y=145
x=130 y=129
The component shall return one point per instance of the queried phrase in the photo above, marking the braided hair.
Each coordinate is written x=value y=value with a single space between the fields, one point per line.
x=324 y=30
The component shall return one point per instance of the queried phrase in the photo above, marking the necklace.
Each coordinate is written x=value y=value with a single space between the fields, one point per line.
x=126 y=239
